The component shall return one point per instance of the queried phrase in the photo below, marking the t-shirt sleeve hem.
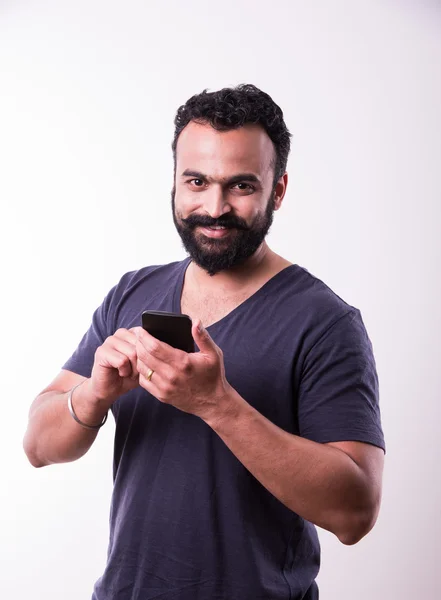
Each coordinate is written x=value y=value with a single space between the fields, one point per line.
x=348 y=436
x=82 y=370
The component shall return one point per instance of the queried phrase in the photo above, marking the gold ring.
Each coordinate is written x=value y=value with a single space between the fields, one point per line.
x=149 y=374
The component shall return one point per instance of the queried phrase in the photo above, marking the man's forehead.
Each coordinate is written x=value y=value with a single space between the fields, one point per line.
x=247 y=148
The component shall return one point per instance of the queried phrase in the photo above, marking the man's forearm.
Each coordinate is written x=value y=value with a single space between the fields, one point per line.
x=320 y=483
x=53 y=436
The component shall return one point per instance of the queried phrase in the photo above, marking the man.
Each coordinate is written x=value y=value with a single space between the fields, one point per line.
x=224 y=458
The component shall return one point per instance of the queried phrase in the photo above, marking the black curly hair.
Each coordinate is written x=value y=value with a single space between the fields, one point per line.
x=231 y=108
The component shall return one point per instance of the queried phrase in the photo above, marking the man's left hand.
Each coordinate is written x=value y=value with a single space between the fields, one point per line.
x=194 y=382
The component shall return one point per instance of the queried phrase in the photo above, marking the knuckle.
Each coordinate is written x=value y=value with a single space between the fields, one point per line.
x=186 y=366
x=167 y=389
x=173 y=381
x=121 y=360
x=109 y=342
x=140 y=352
x=153 y=347
x=132 y=355
x=131 y=336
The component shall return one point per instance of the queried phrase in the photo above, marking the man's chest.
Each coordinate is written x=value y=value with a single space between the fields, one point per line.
x=210 y=308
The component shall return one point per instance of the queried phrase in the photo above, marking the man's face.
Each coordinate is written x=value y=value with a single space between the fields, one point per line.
x=223 y=178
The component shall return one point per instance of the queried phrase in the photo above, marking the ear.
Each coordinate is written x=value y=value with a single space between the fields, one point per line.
x=280 y=191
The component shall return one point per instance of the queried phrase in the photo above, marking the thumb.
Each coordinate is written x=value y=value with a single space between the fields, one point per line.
x=202 y=337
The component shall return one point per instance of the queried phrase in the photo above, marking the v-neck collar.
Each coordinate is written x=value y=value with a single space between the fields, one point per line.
x=180 y=284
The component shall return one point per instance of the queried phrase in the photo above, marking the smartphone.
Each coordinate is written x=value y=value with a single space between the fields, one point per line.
x=172 y=328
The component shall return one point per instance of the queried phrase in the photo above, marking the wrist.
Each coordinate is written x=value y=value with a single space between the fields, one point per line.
x=228 y=409
x=87 y=407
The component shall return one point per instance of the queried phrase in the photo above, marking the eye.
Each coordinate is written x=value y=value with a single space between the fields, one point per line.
x=244 y=187
x=196 y=182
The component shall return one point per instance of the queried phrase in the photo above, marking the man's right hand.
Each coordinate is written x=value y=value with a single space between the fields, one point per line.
x=114 y=370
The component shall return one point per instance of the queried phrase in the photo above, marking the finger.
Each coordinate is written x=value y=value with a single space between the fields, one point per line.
x=126 y=334
x=149 y=385
x=203 y=338
x=128 y=349
x=165 y=375
x=109 y=356
x=147 y=360
x=155 y=348
x=158 y=385
x=144 y=371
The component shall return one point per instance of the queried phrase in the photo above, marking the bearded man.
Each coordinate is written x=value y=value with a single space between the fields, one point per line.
x=227 y=458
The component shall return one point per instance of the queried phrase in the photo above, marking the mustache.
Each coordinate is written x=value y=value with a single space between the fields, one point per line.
x=205 y=221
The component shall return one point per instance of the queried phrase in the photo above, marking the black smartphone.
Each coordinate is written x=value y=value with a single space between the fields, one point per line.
x=172 y=328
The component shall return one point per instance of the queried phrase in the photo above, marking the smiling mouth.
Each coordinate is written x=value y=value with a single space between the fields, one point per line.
x=215 y=232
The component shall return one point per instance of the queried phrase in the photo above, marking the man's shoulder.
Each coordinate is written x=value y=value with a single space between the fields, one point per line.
x=311 y=292
x=309 y=305
x=147 y=282
x=157 y=272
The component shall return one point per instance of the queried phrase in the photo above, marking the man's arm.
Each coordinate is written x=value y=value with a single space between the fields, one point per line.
x=336 y=486
x=52 y=435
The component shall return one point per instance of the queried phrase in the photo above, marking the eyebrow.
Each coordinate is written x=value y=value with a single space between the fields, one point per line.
x=249 y=177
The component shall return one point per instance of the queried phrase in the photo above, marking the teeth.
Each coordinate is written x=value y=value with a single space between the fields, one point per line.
x=217 y=227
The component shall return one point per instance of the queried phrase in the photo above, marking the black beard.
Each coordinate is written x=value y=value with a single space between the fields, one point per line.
x=219 y=254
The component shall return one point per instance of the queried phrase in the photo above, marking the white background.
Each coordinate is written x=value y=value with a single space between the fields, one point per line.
x=88 y=93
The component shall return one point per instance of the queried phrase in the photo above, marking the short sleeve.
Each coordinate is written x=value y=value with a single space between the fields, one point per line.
x=338 y=397
x=82 y=359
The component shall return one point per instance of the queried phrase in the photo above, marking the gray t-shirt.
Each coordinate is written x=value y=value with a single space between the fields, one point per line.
x=188 y=521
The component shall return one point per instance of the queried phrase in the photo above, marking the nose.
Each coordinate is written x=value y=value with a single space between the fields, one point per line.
x=216 y=202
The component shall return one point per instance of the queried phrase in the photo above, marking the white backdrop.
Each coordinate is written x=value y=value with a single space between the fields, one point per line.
x=88 y=93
